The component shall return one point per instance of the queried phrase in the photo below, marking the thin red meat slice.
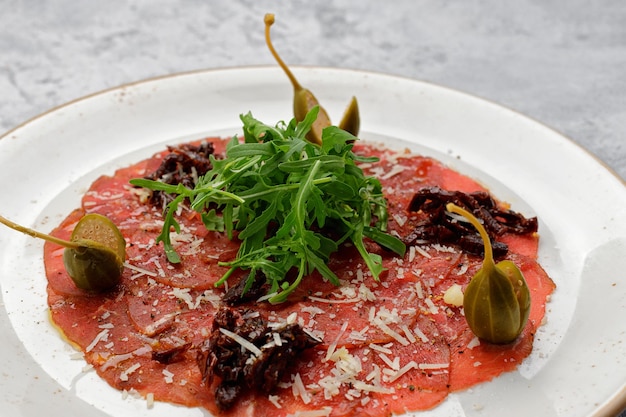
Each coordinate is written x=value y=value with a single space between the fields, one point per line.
x=145 y=335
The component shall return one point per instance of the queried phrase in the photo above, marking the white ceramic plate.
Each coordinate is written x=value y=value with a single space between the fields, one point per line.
x=578 y=366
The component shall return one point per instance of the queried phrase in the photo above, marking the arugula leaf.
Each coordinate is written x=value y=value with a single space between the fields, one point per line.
x=278 y=193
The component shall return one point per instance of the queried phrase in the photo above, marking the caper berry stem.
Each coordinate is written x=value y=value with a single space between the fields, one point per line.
x=303 y=99
x=488 y=262
x=497 y=299
x=269 y=21
x=36 y=234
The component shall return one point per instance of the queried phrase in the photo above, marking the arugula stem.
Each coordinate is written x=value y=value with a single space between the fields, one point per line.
x=278 y=188
x=282 y=296
x=225 y=277
x=303 y=191
x=373 y=261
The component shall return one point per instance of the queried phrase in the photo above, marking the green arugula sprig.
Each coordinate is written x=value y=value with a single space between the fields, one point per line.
x=292 y=203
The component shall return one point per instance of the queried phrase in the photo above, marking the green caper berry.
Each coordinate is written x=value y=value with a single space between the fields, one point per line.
x=94 y=257
x=304 y=100
x=496 y=302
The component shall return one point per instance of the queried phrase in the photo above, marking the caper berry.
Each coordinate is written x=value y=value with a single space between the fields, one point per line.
x=304 y=100
x=97 y=264
x=497 y=300
x=94 y=257
x=351 y=120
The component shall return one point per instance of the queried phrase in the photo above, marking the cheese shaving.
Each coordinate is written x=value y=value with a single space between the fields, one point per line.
x=150 y=400
x=275 y=399
x=168 y=376
x=243 y=342
x=183 y=295
x=407 y=332
x=333 y=345
x=389 y=331
x=142 y=271
x=334 y=301
x=395 y=170
x=299 y=389
x=422 y=252
x=419 y=333
x=360 y=385
x=473 y=343
x=425 y=366
x=102 y=336
x=406 y=368
x=380 y=349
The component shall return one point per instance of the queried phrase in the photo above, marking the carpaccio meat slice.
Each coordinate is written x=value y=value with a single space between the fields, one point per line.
x=387 y=347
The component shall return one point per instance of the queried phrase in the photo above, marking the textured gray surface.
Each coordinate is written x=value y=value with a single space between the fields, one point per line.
x=562 y=63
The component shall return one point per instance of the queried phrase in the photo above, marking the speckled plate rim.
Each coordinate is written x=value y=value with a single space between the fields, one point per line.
x=512 y=154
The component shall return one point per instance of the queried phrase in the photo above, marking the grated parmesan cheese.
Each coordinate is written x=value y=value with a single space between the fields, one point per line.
x=141 y=271
x=424 y=366
x=401 y=220
x=395 y=364
x=168 y=376
x=431 y=306
x=422 y=252
x=419 y=290
x=380 y=349
x=333 y=345
x=312 y=310
x=463 y=268
x=347 y=368
x=160 y=270
x=407 y=332
x=382 y=326
x=411 y=253
x=102 y=336
x=277 y=340
x=473 y=343
x=360 y=385
x=366 y=294
x=406 y=368
x=243 y=342
x=150 y=400
x=420 y=334
x=454 y=295
x=183 y=295
x=124 y=375
x=275 y=400
x=333 y=301
x=266 y=297
x=442 y=248
x=395 y=170
x=299 y=390
x=356 y=335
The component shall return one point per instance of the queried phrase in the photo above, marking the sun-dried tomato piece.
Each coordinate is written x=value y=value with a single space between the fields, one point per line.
x=439 y=227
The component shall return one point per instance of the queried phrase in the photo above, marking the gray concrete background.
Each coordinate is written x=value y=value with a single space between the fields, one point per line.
x=562 y=63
